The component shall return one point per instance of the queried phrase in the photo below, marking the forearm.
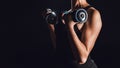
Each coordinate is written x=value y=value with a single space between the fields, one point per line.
x=52 y=34
x=81 y=48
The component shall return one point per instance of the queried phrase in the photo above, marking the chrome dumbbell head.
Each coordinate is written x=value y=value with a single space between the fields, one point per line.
x=51 y=16
x=80 y=15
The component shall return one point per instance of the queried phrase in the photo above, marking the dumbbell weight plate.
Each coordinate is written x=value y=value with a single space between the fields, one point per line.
x=51 y=17
x=80 y=15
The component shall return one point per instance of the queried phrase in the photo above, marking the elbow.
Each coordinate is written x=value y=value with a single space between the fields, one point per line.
x=83 y=58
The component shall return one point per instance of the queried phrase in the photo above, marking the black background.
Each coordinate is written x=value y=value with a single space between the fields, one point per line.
x=26 y=42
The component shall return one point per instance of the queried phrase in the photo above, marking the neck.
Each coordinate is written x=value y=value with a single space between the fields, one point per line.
x=79 y=3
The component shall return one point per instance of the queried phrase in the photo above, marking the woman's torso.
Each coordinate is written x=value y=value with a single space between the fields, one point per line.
x=64 y=55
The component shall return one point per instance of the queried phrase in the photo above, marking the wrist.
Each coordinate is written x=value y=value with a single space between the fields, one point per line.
x=70 y=25
x=51 y=27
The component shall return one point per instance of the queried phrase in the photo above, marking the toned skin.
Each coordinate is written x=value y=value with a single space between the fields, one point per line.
x=90 y=30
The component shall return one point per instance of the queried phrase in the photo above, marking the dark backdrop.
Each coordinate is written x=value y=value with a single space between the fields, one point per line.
x=26 y=42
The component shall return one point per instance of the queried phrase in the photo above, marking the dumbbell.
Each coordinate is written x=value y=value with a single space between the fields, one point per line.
x=78 y=16
x=50 y=16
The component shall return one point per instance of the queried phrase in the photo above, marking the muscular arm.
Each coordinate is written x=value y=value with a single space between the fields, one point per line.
x=90 y=33
x=52 y=34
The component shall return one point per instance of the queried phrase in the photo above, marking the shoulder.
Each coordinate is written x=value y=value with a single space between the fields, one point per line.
x=94 y=19
x=94 y=15
x=93 y=12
